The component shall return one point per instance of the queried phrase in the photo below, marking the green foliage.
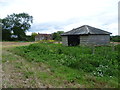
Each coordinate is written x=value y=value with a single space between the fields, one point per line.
x=33 y=36
x=104 y=62
x=115 y=38
x=27 y=74
x=0 y=29
x=57 y=35
x=16 y=23
x=6 y=35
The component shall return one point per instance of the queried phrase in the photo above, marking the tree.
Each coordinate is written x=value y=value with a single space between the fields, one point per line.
x=17 y=24
x=57 y=35
x=115 y=38
x=0 y=29
x=33 y=36
x=6 y=33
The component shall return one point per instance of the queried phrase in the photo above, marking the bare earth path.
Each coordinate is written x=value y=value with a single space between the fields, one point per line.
x=17 y=72
x=13 y=44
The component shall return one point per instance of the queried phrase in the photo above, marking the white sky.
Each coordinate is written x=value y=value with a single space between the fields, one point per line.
x=55 y=15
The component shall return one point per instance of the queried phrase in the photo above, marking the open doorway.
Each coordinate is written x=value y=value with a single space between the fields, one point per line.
x=73 y=40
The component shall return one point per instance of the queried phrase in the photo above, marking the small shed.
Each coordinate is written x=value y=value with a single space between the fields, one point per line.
x=43 y=37
x=86 y=35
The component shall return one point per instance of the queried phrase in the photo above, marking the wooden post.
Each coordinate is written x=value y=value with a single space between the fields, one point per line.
x=113 y=48
x=93 y=49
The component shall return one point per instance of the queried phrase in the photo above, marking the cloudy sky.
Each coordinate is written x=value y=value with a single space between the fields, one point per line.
x=63 y=15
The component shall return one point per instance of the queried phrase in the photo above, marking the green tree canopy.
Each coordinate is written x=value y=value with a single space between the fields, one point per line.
x=0 y=29
x=33 y=36
x=57 y=35
x=18 y=24
x=115 y=38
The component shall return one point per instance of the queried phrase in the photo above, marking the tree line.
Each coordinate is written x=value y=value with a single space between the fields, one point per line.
x=14 y=28
x=115 y=38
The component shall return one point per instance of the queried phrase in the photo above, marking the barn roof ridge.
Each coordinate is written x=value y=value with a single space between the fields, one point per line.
x=88 y=30
x=85 y=29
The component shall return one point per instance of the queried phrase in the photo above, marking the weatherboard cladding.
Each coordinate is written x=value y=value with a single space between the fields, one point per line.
x=85 y=29
x=94 y=39
x=65 y=40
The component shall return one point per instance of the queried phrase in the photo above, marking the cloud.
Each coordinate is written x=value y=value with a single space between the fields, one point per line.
x=28 y=33
x=53 y=15
x=108 y=24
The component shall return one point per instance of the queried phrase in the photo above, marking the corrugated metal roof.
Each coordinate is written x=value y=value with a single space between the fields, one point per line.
x=85 y=29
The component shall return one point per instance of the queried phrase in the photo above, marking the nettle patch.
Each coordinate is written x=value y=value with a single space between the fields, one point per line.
x=104 y=61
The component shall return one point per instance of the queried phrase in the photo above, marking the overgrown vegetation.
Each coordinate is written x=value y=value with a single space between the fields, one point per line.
x=57 y=35
x=115 y=38
x=101 y=66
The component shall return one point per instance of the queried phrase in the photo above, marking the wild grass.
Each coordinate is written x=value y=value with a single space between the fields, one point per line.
x=75 y=64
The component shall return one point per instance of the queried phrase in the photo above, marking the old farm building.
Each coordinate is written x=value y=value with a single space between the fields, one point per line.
x=43 y=37
x=85 y=35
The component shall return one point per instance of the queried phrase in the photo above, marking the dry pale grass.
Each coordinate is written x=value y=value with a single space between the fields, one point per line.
x=11 y=44
x=115 y=43
x=14 y=70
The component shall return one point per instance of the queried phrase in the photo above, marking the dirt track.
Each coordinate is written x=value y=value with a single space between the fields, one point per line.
x=11 y=76
x=115 y=43
x=9 y=44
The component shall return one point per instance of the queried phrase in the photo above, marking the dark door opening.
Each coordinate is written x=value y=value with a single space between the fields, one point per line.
x=73 y=40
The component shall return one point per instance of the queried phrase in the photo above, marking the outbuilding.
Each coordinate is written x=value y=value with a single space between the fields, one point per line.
x=43 y=37
x=86 y=35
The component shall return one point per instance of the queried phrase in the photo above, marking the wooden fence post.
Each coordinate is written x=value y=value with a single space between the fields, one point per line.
x=113 y=48
x=93 y=49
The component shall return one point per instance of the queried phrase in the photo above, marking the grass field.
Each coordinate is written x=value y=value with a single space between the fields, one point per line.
x=53 y=65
